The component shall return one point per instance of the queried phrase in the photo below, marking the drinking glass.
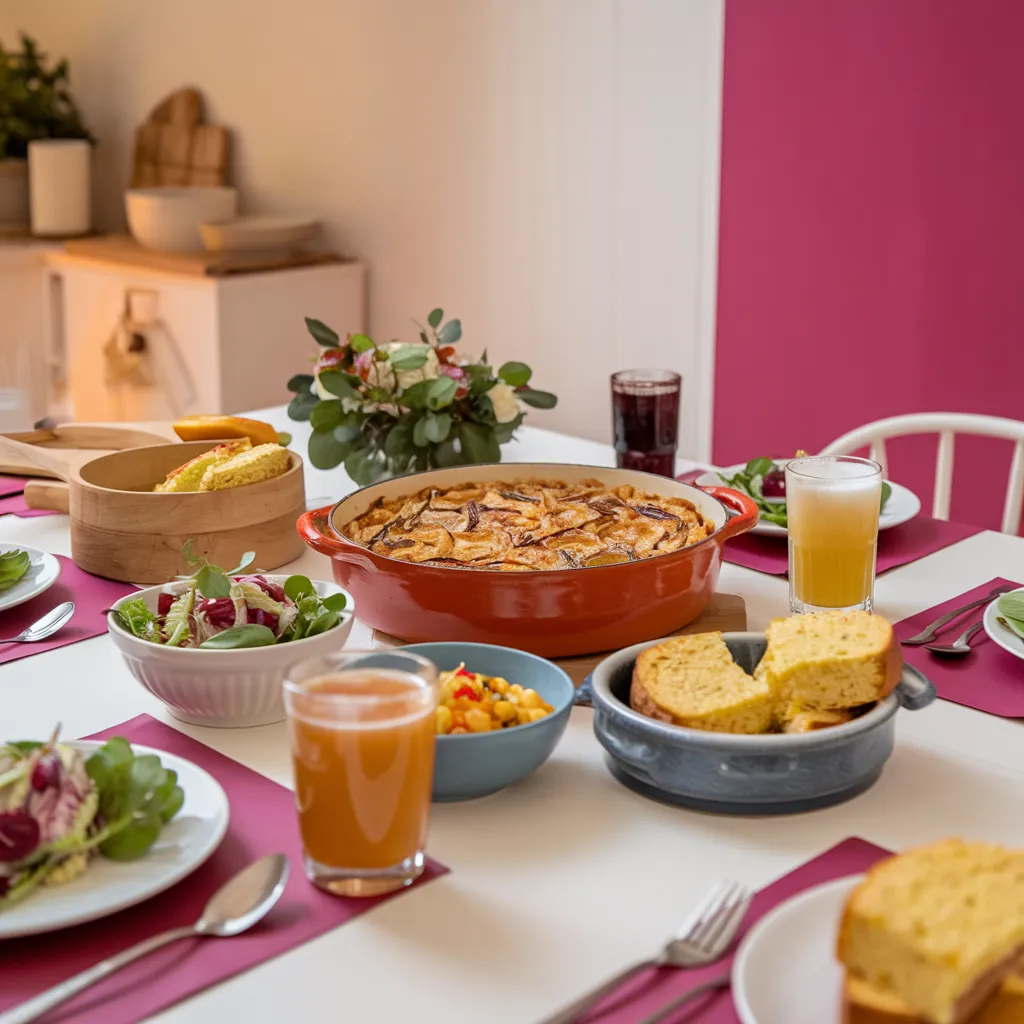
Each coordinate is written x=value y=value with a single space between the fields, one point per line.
x=361 y=726
x=832 y=505
x=645 y=419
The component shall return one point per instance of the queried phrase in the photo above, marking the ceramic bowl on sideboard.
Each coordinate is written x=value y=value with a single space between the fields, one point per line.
x=478 y=764
x=168 y=219
x=554 y=612
x=739 y=774
x=223 y=689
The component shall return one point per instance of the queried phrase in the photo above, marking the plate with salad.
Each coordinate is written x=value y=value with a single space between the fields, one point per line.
x=764 y=480
x=1004 y=621
x=25 y=573
x=88 y=828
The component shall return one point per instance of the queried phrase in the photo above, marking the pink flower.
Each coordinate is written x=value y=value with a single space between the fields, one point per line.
x=363 y=362
x=456 y=373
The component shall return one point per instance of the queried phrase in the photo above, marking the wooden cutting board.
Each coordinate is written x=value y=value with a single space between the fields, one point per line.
x=726 y=612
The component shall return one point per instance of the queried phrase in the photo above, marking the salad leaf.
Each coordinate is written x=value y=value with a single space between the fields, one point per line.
x=176 y=622
x=1012 y=606
x=137 y=619
x=13 y=565
x=886 y=492
x=137 y=797
x=213 y=581
x=250 y=635
x=297 y=587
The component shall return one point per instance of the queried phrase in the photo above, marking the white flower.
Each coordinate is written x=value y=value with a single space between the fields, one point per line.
x=506 y=405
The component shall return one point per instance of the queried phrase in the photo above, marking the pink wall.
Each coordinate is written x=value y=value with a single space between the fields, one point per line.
x=872 y=226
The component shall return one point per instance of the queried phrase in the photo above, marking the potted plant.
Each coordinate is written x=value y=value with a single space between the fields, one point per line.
x=35 y=104
x=386 y=410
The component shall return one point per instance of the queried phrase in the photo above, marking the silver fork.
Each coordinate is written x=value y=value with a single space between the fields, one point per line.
x=702 y=939
x=930 y=633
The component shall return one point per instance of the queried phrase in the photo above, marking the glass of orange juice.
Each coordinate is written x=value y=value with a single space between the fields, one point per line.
x=832 y=505
x=361 y=726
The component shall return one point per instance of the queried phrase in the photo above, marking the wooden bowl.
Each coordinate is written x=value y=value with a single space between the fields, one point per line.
x=122 y=529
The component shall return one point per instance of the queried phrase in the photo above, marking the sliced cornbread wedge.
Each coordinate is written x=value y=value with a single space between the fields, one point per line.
x=864 y=1004
x=692 y=681
x=189 y=476
x=940 y=927
x=812 y=721
x=829 y=661
x=263 y=462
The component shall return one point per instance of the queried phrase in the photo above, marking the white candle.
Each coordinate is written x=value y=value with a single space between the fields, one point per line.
x=59 y=186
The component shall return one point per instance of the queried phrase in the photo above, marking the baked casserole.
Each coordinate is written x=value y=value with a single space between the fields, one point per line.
x=528 y=524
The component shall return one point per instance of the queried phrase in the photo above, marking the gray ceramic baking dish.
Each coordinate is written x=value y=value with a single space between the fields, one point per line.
x=709 y=771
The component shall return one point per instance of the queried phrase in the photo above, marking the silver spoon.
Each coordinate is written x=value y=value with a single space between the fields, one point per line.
x=961 y=645
x=44 y=627
x=237 y=905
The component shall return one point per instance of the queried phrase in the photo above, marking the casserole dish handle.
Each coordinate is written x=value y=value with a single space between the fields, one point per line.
x=744 y=512
x=314 y=528
x=914 y=690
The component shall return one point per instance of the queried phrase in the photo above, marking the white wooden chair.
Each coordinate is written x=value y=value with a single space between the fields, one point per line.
x=947 y=425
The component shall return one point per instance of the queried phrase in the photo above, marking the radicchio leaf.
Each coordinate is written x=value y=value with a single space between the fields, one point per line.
x=19 y=835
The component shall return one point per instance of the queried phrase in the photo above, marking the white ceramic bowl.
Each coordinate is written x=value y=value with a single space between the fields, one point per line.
x=168 y=219
x=224 y=689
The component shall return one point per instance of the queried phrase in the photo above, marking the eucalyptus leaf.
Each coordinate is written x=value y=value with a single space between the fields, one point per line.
x=409 y=357
x=325 y=451
x=301 y=406
x=415 y=396
x=447 y=454
x=478 y=443
x=284 y=438
x=435 y=317
x=237 y=637
x=440 y=392
x=300 y=383
x=515 y=374
x=419 y=432
x=349 y=427
x=322 y=333
x=437 y=426
x=538 y=399
x=359 y=465
x=450 y=333
x=326 y=415
x=399 y=441
x=360 y=342
x=337 y=383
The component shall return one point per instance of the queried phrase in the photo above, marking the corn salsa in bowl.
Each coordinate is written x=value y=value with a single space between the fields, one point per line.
x=476 y=762
x=474 y=702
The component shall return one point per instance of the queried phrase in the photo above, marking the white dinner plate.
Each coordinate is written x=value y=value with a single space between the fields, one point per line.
x=903 y=503
x=786 y=970
x=1002 y=635
x=187 y=840
x=42 y=574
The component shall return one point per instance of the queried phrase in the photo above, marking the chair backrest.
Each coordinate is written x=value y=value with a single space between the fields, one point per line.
x=947 y=425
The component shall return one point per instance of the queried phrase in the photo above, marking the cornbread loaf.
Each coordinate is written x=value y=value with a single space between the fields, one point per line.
x=940 y=927
x=189 y=477
x=812 y=721
x=828 y=661
x=693 y=681
x=263 y=462
x=864 y=1004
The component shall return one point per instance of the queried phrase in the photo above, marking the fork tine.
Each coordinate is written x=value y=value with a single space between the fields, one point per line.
x=707 y=906
x=718 y=940
x=732 y=892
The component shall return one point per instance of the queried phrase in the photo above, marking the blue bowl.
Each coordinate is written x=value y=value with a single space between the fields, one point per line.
x=472 y=765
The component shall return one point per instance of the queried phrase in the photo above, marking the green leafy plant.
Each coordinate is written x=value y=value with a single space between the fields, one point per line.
x=13 y=566
x=35 y=101
x=386 y=410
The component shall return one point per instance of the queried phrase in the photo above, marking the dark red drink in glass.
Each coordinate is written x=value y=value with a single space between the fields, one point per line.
x=645 y=419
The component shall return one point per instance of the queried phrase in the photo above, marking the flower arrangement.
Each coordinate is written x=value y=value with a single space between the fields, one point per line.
x=385 y=410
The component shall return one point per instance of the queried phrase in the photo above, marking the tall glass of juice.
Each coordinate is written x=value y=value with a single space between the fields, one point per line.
x=361 y=726
x=832 y=504
x=645 y=419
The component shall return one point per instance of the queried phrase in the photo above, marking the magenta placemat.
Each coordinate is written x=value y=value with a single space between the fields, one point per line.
x=262 y=821
x=648 y=992
x=91 y=594
x=897 y=546
x=988 y=679
x=14 y=504
x=11 y=485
